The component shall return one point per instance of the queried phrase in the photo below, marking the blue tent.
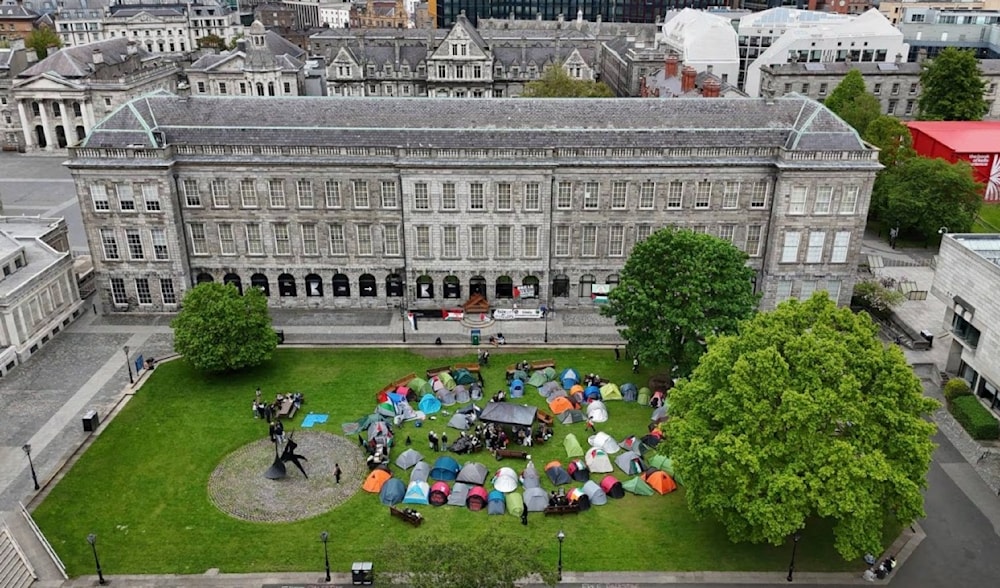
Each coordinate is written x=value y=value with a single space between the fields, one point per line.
x=516 y=389
x=569 y=378
x=392 y=492
x=396 y=398
x=629 y=392
x=496 y=503
x=445 y=468
x=592 y=393
x=417 y=493
x=429 y=404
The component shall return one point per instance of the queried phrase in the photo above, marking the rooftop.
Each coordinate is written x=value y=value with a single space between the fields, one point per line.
x=962 y=136
x=986 y=245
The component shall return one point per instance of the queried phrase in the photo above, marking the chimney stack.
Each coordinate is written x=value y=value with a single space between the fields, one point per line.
x=899 y=58
x=241 y=45
x=688 y=74
x=711 y=88
x=670 y=66
x=97 y=57
x=131 y=48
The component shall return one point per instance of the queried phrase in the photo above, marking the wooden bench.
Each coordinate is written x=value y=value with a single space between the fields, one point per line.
x=435 y=371
x=542 y=364
x=502 y=453
x=405 y=380
x=416 y=521
x=471 y=367
x=287 y=409
x=561 y=510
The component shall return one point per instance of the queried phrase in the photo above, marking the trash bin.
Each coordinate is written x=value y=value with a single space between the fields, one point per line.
x=281 y=335
x=91 y=421
x=928 y=336
x=361 y=573
x=476 y=334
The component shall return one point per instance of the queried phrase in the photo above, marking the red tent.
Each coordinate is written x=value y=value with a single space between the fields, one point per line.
x=977 y=142
x=612 y=487
x=439 y=493
x=477 y=499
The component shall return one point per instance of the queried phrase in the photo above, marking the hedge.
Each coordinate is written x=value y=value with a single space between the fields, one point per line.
x=975 y=418
x=956 y=387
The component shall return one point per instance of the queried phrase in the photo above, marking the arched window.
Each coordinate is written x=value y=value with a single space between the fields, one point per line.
x=394 y=285
x=341 y=285
x=270 y=92
x=366 y=283
x=314 y=285
x=235 y=280
x=505 y=287
x=260 y=282
x=81 y=133
x=529 y=287
x=477 y=285
x=260 y=88
x=204 y=278
x=40 y=136
x=560 y=286
x=613 y=280
x=452 y=287
x=425 y=287
x=286 y=285
x=586 y=285
x=60 y=136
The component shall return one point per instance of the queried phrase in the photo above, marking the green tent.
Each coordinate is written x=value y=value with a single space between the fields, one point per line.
x=447 y=380
x=420 y=387
x=637 y=486
x=464 y=377
x=572 y=446
x=659 y=460
x=515 y=503
x=537 y=379
x=644 y=395
x=550 y=374
x=610 y=391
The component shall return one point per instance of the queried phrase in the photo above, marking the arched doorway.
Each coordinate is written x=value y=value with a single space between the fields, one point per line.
x=366 y=283
x=314 y=285
x=341 y=285
x=529 y=288
x=204 y=278
x=235 y=280
x=260 y=282
x=586 y=285
x=61 y=136
x=452 y=287
x=286 y=285
x=394 y=285
x=477 y=285
x=40 y=136
x=505 y=287
x=560 y=286
x=425 y=287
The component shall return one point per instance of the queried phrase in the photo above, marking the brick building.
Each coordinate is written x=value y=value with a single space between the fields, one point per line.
x=420 y=203
x=16 y=20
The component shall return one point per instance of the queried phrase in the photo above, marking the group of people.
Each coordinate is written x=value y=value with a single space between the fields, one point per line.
x=436 y=443
x=558 y=498
x=263 y=409
x=484 y=357
x=497 y=339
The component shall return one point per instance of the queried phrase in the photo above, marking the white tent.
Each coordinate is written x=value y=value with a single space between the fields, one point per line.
x=604 y=441
x=505 y=480
x=597 y=412
x=598 y=461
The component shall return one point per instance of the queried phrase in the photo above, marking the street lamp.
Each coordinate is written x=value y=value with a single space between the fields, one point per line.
x=943 y=230
x=324 y=537
x=128 y=365
x=795 y=545
x=548 y=309
x=560 y=536
x=27 y=451
x=92 y=539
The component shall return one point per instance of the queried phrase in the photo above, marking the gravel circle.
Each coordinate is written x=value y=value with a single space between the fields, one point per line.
x=238 y=487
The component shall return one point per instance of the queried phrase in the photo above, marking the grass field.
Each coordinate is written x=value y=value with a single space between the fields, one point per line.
x=142 y=485
x=989 y=219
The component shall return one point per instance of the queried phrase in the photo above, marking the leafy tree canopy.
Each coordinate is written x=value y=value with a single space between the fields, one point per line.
x=41 y=39
x=892 y=137
x=219 y=330
x=921 y=195
x=556 y=83
x=803 y=414
x=496 y=558
x=851 y=102
x=952 y=87
x=677 y=288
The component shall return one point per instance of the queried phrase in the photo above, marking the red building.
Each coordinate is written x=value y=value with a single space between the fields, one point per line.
x=977 y=142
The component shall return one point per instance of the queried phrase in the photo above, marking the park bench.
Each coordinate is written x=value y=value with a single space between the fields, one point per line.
x=542 y=364
x=502 y=453
x=561 y=510
x=435 y=371
x=411 y=517
x=404 y=381
x=471 y=367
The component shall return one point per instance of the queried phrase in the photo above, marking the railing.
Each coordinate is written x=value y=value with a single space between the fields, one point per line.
x=45 y=542
x=5 y=530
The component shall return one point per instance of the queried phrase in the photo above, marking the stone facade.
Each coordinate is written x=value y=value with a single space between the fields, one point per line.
x=369 y=203
x=13 y=60
x=263 y=64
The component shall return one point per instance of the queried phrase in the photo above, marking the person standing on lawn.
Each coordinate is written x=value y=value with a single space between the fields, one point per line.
x=618 y=353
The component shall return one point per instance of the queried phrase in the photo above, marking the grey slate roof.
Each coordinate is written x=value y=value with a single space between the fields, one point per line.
x=987 y=66
x=792 y=121
x=78 y=62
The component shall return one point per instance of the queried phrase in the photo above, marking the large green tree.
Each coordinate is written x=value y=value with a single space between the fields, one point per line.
x=41 y=39
x=804 y=414
x=220 y=330
x=952 y=87
x=556 y=83
x=893 y=139
x=921 y=195
x=677 y=288
x=495 y=558
x=851 y=102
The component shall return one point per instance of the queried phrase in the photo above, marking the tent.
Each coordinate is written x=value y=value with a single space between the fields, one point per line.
x=572 y=446
x=637 y=486
x=612 y=487
x=557 y=475
x=629 y=392
x=549 y=388
x=439 y=494
x=361 y=424
x=429 y=404
x=635 y=444
x=459 y=494
x=505 y=480
x=661 y=482
x=417 y=493
x=496 y=503
x=598 y=461
x=462 y=394
x=459 y=421
x=643 y=396
x=392 y=492
x=464 y=377
x=515 y=504
x=386 y=409
x=658 y=399
x=604 y=441
x=535 y=499
x=576 y=391
x=556 y=392
x=507 y=413
x=446 y=396
x=578 y=470
x=529 y=477
x=578 y=497
x=630 y=462
x=378 y=431
x=446 y=379
x=399 y=395
x=517 y=388
x=420 y=386
x=445 y=468
x=571 y=416
x=420 y=472
x=590 y=393
x=520 y=375
x=659 y=415
x=477 y=498
x=476 y=392
x=610 y=391
x=560 y=405
x=597 y=412
x=550 y=373
x=651 y=440
x=594 y=492
x=408 y=459
x=473 y=473
x=376 y=479
x=569 y=377
x=537 y=379
x=437 y=384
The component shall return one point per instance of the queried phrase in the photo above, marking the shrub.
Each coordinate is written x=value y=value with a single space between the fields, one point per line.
x=956 y=387
x=878 y=296
x=975 y=418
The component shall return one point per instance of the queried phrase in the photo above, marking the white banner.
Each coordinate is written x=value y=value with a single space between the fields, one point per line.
x=509 y=314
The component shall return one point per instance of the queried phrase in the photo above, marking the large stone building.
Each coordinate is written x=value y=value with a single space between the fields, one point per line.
x=420 y=203
x=13 y=60
x=17 y=20
x=263 y=64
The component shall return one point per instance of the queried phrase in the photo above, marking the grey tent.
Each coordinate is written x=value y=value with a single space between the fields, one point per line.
x=659 y=415
x=420 y=472
x=529 y=477
x=506 y=413
x=461 y=394
x=549 y=388
x=630 y=462
x=408 y=459
x=446 y=396
x=459 y=494
x=555 y=393
x=568 y=417
x=521 y=375
x=459 y=421
x=629 y=392
x=476 y=392
x=392 y=492
x=557 y=474
x=379 y=431
x=593 y=491
x=535 y=499
x=473 y=473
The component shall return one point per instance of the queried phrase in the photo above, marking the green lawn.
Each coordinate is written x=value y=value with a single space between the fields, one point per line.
x=142 y=485
x=989 y=219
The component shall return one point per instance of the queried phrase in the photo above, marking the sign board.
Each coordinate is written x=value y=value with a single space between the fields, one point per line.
x=525 y=291
x=139 y=363
x=986 y=168
x=509 y=314
x=452 y=314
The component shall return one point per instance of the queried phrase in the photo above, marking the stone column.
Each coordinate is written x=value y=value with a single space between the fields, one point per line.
x=13 y=336
x=69 y=130
x=87 y=109
x=27 y=129
x=46 y=126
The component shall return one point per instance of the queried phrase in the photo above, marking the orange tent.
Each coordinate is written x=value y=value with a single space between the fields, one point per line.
x=375 y=480
x=661 y=482
x=578 y=389
x=560 y=405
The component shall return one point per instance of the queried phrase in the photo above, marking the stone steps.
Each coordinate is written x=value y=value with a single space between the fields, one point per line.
x=15 y=571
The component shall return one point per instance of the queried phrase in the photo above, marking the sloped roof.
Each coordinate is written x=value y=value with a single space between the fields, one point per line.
x=508 y=413
x=962 y=136
x=78 y=62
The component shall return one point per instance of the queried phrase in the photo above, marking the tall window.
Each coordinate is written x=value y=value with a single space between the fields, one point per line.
x=591 y=196
x=727 y=232
x=530 y=244
x=616 y=240
x=448 y=199
x=806 y=289
x=220 y=196
x=783 y=291
x=310 y=244
x=841 y=241
x=159 y=239
x=477 y=199
x=389 y=199
x=142 y=291
x=588 y=241
x=276 y=193
x=191 y=196
x=814 y=253
x=564 y=199
x=421 y=198
x=227 y=240
x=360 y=189
x=504 y=199
x=199 y=243
x=790 y=249
x=304 y=191
x=99 y=196
x=365 y=240
x=423 y=241
x=282 y=239
x=255 y=240
x=126 y=197
x=110 y=244
x=504 y=248
x=562 y=240
x=703 y=198
x=338 y=244
x=167 y=291
x=642 y=232
x=333 y=199
x=619 y=195
x=797 y=200
x=248 y=194
x=647 y=196
x=849 y=201
x=477 y=240
x=532 y=198
x=675 y=195
x=731 y=195
x=759 y=197
x=753 y=240
x=449 y=242
x=390 y=238
x=832 y=288
x=824 y=196
x=118 y=295
x=151 y=198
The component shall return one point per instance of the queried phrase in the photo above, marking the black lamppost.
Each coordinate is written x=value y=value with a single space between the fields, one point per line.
x=324 y=537
x=92 y=539
x=943 y=231
x=560 y=536
x=795 y=545
x=128 y=365
x=548 y=309
x=27 y=451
